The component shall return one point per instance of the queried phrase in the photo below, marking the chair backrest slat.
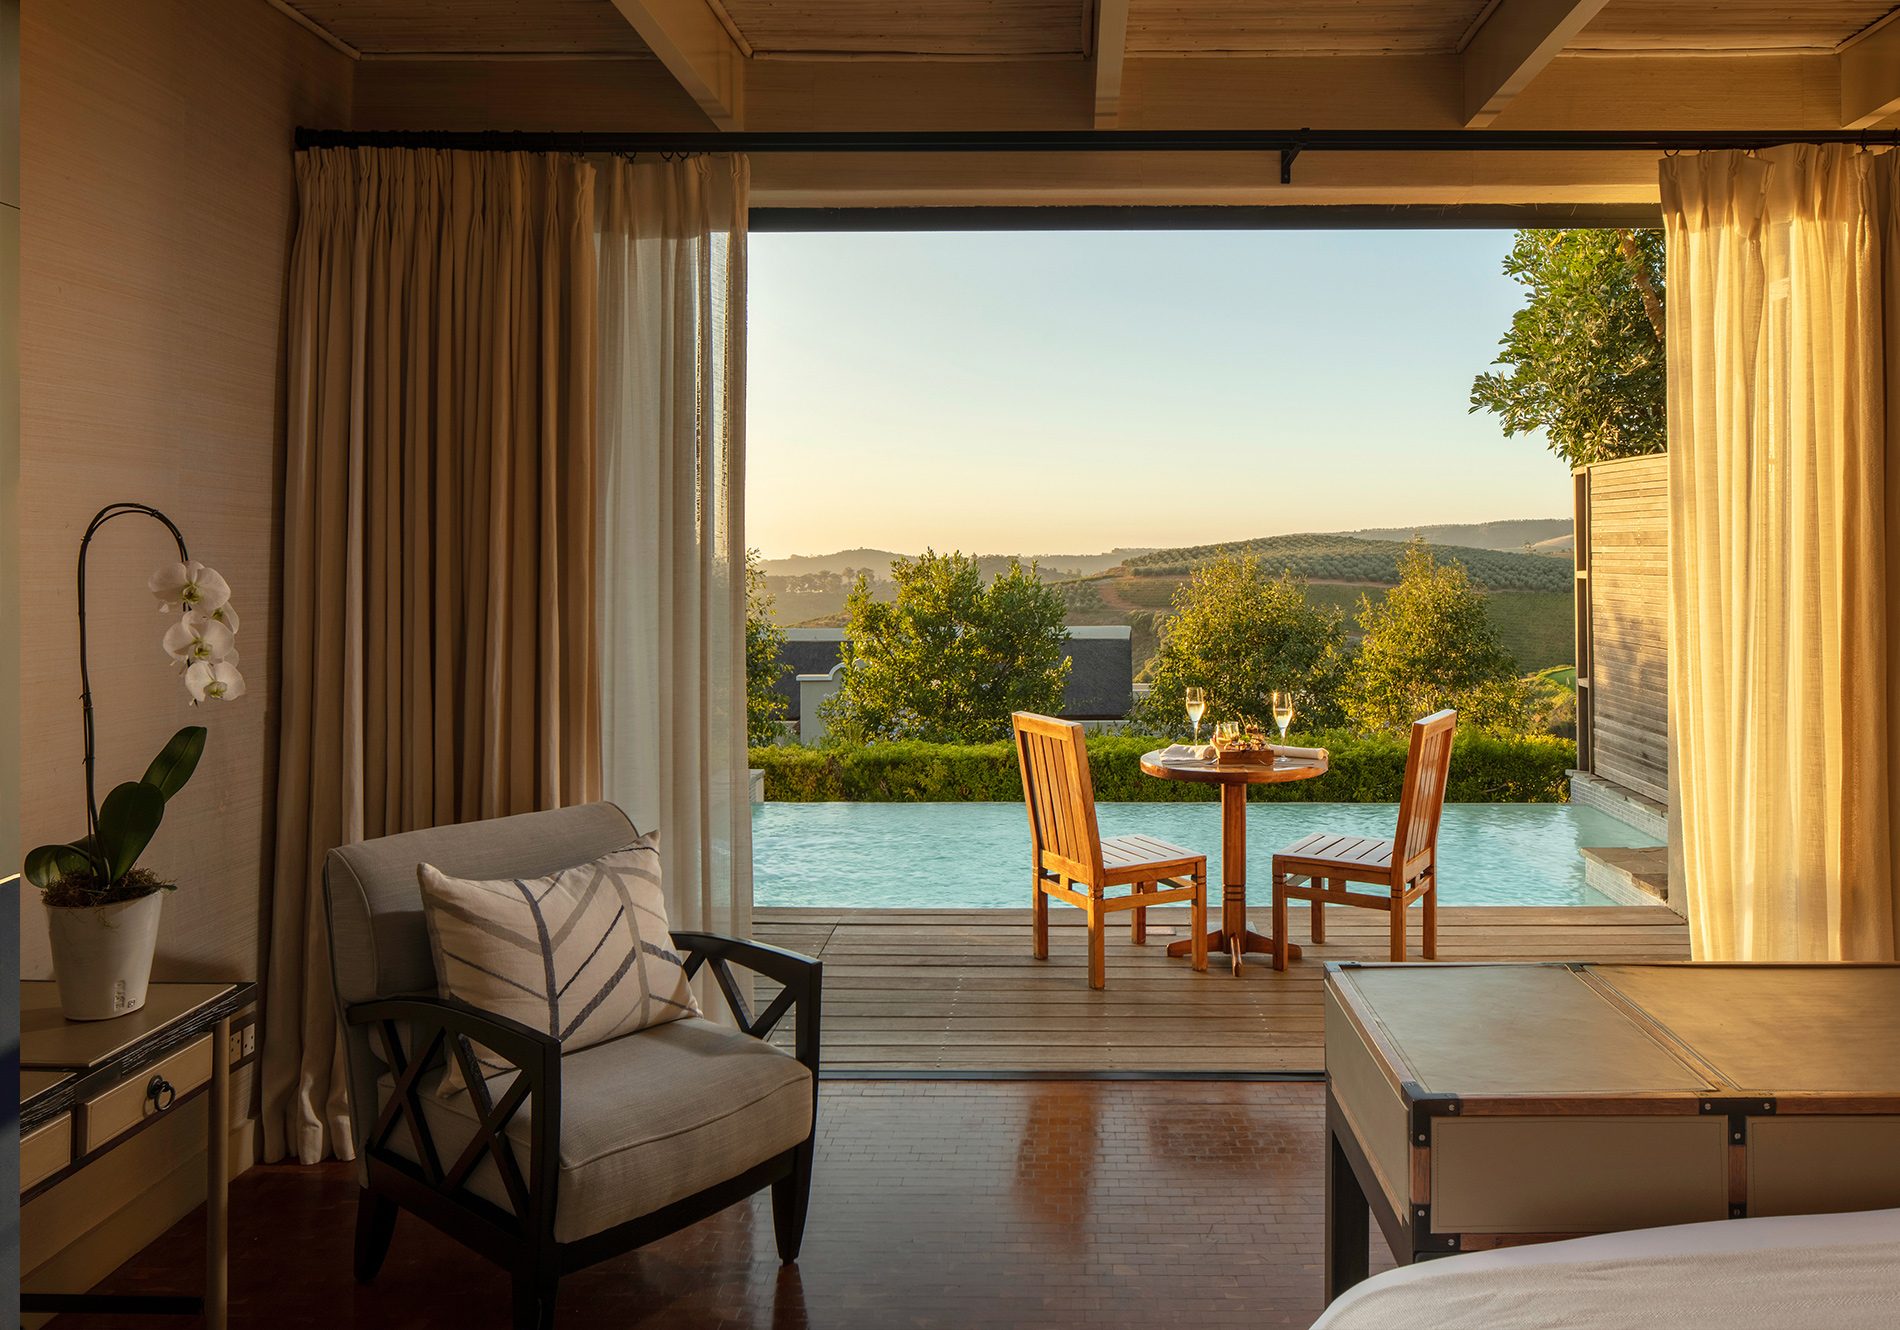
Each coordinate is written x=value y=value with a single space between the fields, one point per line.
x=1060 y=795
x=1427 y=767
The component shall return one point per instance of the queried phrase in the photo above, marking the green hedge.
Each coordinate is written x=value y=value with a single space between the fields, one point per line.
x=1484 y=769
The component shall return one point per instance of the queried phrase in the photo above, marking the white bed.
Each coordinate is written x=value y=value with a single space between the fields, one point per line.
x=1804 y=1272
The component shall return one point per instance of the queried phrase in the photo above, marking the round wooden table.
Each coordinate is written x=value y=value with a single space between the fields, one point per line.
x=1233 y=937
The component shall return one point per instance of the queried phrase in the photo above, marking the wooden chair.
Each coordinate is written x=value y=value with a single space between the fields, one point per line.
x=1070 y=860
x=1409 y=873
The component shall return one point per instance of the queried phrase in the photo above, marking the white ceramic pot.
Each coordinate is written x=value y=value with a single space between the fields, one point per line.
x=102 y=955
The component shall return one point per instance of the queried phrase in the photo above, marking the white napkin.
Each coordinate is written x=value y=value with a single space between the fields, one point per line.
x=1188 y=753
x=1310 y=754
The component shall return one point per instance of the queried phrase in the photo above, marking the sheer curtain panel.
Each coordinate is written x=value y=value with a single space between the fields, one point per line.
x=439 y=662
x=672 y=500
x=1784 y=412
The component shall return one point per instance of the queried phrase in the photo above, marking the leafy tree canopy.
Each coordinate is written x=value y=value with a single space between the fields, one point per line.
x=1583 y=359
x=1239 y=635
x=949 y=657
x=765 y=706
x=1427 y=645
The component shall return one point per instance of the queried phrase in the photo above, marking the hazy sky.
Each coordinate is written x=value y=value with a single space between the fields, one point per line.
x=1071 y=392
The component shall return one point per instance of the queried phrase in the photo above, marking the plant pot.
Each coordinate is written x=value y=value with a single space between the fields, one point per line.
x=102 y=955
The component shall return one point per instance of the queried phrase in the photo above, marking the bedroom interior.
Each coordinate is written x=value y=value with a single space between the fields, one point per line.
x=426 y=324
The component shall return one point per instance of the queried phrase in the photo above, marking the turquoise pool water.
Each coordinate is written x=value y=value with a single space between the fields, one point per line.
x=952 y=856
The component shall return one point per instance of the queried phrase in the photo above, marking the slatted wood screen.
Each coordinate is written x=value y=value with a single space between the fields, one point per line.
x=1622 y=623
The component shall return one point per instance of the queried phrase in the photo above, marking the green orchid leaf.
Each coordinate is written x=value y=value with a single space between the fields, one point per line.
x=128 y=819
x=49 y=863
x=176 y=761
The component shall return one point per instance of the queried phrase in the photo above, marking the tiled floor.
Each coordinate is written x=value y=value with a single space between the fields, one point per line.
x=937 y=1204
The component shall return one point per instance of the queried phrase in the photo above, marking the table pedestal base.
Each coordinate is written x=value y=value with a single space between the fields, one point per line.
x=1257 y=943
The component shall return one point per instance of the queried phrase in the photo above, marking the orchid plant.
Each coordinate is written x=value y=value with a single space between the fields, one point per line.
x=101 y=866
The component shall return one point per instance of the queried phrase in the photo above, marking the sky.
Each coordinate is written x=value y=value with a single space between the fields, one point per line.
x=1072 y=392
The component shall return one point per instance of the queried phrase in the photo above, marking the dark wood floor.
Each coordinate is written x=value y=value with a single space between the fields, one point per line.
x=939 y=1204
x=934 y=990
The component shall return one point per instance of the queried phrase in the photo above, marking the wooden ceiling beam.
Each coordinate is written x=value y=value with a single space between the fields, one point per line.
x=1111 y=50
x=1870 y=78
x=1511 y=47
x=697 y=51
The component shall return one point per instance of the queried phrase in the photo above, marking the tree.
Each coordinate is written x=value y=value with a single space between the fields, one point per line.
x=1239 y=635
x=1585 y=353
x=765 y=706
x=1429 y=644
x=949 y=658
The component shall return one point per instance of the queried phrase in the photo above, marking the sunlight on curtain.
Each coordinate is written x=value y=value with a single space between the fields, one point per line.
x=439 y=663
x=1784 y=395
x=672 y=499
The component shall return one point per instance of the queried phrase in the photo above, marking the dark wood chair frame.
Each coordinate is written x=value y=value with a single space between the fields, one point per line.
x=520 y=1238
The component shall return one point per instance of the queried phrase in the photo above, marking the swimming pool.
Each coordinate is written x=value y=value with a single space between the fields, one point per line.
x=956 y=856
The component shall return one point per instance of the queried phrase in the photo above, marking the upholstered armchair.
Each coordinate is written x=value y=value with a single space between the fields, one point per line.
x=566 y=1160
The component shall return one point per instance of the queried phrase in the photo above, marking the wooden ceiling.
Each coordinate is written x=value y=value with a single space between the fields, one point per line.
x=1730 y=25
x=1016 y=29
x=472 y=27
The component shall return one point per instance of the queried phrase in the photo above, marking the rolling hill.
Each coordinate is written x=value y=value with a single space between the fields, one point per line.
x=1323 y=557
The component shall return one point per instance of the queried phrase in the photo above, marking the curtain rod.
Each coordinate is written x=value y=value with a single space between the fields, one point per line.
x=1096 y=140
x=1288 y=143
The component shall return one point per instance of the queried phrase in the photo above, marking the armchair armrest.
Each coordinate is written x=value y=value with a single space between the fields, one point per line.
x=438 y=1024
x=802 y=978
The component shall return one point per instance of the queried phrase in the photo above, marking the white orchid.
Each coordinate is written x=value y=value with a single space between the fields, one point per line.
x=200 y=637
x=218 y=680
x=191 y=585
x=227 y=615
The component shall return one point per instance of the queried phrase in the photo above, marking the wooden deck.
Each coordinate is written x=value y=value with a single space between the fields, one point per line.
x=956 y=990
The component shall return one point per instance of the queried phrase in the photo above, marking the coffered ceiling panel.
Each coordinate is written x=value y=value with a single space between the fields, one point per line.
x=1191 y=27
x=475 y=27
x=1744 y=25
x=994 y=28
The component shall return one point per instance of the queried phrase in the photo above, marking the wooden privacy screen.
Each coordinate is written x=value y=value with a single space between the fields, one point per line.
x=1623 y=623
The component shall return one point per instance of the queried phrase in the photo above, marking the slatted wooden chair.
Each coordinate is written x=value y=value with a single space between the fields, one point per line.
x=1328 y=861
x=1070 y=860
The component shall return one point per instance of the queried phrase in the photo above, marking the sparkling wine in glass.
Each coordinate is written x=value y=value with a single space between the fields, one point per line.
x=1283 y=712
x=1196 y=708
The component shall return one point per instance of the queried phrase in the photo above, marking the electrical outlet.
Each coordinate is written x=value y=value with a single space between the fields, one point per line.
x=237 y=1046
x=250 y=1040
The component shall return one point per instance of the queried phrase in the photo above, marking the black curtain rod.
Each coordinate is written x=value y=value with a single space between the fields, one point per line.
x=1288 y=142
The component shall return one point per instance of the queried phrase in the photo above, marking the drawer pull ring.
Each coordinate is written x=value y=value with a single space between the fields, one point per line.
x=162 y=1093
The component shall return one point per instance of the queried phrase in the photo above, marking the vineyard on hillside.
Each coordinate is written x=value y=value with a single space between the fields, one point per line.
x=1328 y=558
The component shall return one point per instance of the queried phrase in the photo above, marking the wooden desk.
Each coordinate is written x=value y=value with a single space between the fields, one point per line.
x=1233 y=936
x=87 y=1087
x=1478 y=1106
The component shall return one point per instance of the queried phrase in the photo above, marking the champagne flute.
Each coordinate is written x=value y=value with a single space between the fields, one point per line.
x=1282 y=712
x=1196 y=708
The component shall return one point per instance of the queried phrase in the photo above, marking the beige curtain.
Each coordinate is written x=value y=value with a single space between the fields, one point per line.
x=672 y=585
x=1784 y=407
x=439 y=662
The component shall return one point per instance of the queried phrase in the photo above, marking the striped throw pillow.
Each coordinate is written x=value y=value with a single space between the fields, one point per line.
x=584 y=954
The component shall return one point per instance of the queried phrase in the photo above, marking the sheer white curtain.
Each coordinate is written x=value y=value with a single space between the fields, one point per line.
x=671 y=428
x=1784 y=408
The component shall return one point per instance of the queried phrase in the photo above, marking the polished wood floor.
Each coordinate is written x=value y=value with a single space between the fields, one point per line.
x=935 y=1206
x=957 y=990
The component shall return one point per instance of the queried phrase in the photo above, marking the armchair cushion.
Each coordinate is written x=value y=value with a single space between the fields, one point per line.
x=584 y=954
x=646 y=1119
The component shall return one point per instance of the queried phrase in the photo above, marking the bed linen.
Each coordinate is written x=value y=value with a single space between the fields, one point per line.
x=1828 y=1272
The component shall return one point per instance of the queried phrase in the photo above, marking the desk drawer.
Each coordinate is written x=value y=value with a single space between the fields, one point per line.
x=45 y=1150
x=126 y=1104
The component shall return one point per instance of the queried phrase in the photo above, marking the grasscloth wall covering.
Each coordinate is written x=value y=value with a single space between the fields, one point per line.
x=158 y=191
x=439 y=662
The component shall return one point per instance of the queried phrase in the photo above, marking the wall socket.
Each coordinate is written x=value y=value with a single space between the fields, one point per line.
x=243 y=1043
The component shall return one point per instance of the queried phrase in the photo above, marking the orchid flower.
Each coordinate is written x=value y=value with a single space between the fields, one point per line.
x=190 y=584
x=218 y=680
x=199 y=637
x=227 y=615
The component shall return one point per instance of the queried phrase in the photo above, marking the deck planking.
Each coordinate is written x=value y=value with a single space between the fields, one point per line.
x=910 y=991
